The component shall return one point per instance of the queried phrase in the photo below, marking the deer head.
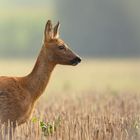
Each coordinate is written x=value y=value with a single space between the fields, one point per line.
x=57 y=50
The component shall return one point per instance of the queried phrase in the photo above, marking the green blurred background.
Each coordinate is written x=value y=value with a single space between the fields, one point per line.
x=93 y=28
x=105 y=33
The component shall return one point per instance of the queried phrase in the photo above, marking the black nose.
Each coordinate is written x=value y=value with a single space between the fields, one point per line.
x=77 y=59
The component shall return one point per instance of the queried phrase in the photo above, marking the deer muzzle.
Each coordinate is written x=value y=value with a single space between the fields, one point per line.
x=75 y=61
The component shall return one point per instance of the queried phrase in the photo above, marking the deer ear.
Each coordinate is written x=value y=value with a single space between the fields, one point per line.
x=56 y=30
x=48 y=34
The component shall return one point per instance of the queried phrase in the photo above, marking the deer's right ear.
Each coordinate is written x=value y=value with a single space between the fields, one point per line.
x=48 y=34
x=56 y=30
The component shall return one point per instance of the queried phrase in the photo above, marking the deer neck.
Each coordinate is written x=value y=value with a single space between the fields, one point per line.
x=38 y=79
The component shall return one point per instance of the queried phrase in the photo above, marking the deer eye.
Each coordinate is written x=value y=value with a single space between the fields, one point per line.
x=61 y=47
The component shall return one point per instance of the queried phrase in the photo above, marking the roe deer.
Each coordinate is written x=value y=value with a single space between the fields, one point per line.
x=18 y=95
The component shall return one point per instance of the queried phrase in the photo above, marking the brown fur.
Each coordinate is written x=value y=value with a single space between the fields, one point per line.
x=18 y=95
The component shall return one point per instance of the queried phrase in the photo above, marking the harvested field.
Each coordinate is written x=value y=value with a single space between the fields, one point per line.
x=81 y=109
x=87 y=116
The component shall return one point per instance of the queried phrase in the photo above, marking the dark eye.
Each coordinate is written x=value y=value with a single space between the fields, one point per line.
x=61 y=47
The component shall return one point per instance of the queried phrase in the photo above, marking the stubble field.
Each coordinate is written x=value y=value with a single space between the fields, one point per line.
x=96 y=100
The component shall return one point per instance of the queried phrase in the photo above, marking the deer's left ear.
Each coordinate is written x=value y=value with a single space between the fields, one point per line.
x=48 y=33
x=56 y=30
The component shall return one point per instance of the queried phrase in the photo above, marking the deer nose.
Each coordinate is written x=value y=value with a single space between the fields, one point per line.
x=77 y=59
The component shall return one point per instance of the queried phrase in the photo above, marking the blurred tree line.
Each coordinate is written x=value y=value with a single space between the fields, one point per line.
x=95 y=28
